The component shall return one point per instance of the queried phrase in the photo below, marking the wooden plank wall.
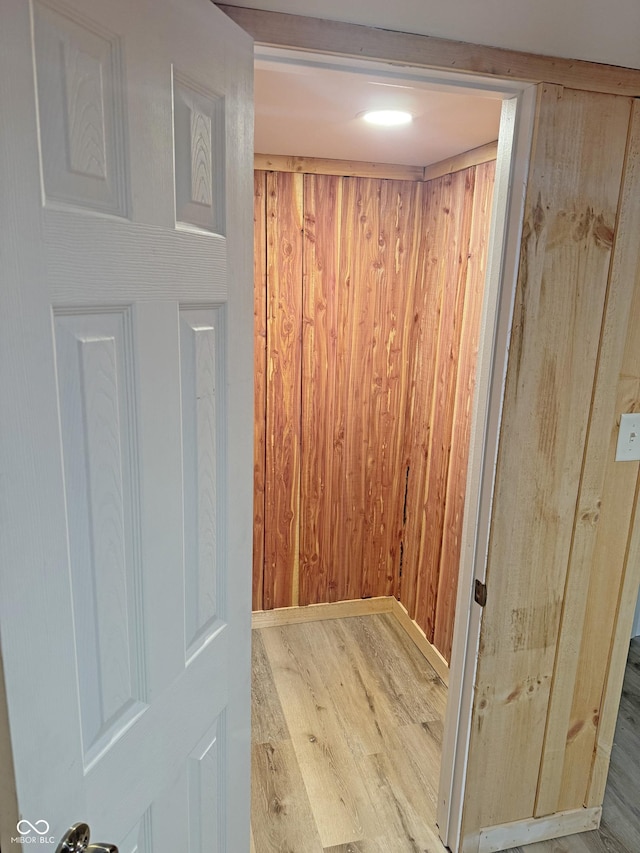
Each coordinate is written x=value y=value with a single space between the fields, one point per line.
x=283 y=411
x=260 y=380
x=463 y=408
x=449 y=208
x=393 y=276
x=361 y=260
x=604 y=568
x=562 y=531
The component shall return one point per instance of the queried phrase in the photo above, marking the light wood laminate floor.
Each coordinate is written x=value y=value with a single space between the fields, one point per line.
x=347 y=727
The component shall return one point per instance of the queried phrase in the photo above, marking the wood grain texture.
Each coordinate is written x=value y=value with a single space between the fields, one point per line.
x=389 y=285
x=603 y=522
x=344 y=168
x=387 y=171
x=496 y=838
x=474 y=157
x=284 y=312
x=325 y=610
x=611 y=699
x=619 y=829
x=324 y=373
x=360 y=607
x=360 y=262
x=328 y=672
x=282 y=818
x=341 y=808
x=444 y=343
x=621 y=808
x=427 y=305
x=449 y=265
x=415 y=632
x=462 y=408
x=260 y=380
x=615 y=574
x=570 y=215
x=364 y=710
x=267 y=718
x=381 y=263
x=334 y=37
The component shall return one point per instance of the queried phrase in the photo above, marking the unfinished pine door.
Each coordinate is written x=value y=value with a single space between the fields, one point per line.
x=367 y=306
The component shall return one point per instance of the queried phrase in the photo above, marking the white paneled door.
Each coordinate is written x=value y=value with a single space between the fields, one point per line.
x=126 y=423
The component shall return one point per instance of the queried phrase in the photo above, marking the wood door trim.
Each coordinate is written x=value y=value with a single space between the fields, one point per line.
x=319 y=35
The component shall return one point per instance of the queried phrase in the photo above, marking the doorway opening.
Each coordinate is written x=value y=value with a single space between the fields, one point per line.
x=375 y=455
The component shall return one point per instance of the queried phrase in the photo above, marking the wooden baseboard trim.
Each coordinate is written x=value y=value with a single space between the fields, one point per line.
x=361 y=607
x=418 y=636
x=531 y=830
x=317 y=612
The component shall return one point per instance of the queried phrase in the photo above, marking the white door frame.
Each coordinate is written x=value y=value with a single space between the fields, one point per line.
x=503 y=254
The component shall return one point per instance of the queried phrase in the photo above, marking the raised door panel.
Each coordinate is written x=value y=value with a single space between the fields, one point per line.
x=202 y=349
x=199 y=154
x=80 y=101
x=130 y=400
x=95 y=379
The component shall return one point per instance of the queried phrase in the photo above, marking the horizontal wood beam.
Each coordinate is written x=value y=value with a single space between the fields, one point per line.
x=474 y=157
x=387 y=171
x=277 y=29
x=345 y=168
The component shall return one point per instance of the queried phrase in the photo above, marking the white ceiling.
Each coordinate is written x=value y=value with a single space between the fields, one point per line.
x=311 y=111
x=600 y=31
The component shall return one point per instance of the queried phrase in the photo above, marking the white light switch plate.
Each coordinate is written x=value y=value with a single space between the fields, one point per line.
x=628 y=448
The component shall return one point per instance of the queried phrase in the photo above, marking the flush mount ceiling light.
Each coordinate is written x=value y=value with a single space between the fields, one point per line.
x=387 y=118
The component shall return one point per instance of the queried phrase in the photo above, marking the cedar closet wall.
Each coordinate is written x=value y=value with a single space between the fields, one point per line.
x=368 y=295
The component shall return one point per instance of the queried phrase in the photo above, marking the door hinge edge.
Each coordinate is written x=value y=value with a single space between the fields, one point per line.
x=480 y=593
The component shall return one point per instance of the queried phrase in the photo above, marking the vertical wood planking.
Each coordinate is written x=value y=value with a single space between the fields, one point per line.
x=569 y=223
x=322 y=533
x=603 y=520
x=427 y=306
x=359 y=268
x=451 y=269
x=381 y=266
x=463 y=407
x=283 y=396
x=383 y=284
x=615 y=676
x=260 y=379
